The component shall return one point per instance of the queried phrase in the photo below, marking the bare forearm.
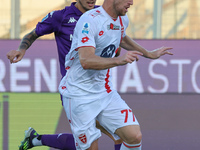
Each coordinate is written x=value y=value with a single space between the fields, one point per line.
x=129 y=44
x=16 y=55
x=28 y=40
x=89 y=60
x=99 y=63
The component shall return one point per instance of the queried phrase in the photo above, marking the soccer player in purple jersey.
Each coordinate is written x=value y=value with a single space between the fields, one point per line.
x=62 y=24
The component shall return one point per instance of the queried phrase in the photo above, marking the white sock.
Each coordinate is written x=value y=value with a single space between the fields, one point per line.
x=126 y=146
x=36 y=142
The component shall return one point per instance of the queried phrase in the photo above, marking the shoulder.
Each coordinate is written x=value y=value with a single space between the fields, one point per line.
x=63 y=12
x=94 y=16
x=59 y=15
x=68 y=9
x=55 y=15
x=52 y=16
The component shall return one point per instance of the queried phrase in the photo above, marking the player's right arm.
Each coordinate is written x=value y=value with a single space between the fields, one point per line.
x=89 y=60
x=16 y=55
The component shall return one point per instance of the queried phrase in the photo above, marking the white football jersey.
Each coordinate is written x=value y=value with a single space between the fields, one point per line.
x=97 y=29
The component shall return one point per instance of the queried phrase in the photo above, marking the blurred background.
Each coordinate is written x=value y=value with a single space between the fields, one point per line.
x=163 y=93
x=149 y=19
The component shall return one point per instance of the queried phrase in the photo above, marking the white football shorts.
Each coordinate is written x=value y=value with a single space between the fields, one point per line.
x=112 y=112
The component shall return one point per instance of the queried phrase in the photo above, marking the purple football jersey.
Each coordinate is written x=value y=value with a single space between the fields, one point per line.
x=62 y=23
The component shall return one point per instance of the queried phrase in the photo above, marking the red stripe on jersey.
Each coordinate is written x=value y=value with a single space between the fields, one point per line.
x=122 y=27
x=116 y=50
x=107 y=80
x=131 y=146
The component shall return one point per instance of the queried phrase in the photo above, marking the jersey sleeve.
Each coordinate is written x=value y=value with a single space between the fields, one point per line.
x=86 y=31
x=50 y=23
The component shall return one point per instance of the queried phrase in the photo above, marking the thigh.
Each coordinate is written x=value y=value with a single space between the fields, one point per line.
x=116 y=115
x=82 y=121
x=129 y=133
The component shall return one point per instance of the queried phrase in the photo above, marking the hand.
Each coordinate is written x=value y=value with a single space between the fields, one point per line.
x=129 y=57
x=15 y=55
x=160 y=52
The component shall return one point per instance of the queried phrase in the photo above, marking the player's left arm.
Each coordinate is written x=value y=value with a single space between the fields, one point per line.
x=129 y=44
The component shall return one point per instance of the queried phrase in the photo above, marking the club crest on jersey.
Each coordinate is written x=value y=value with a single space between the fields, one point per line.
x=112 y=27
x=83 y=138
x=108 y=51
x=86 y=28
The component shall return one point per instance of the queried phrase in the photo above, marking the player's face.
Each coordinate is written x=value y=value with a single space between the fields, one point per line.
x=85 y=5
x=121 y=6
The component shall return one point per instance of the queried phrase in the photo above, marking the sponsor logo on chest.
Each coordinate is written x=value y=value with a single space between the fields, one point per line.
x=72 y=20
x=113 y=27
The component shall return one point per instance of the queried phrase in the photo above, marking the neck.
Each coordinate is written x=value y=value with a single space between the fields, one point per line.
x=109 y=9
x=79 y=6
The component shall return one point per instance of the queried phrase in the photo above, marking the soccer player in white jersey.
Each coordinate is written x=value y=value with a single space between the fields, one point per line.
x=87 y=91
